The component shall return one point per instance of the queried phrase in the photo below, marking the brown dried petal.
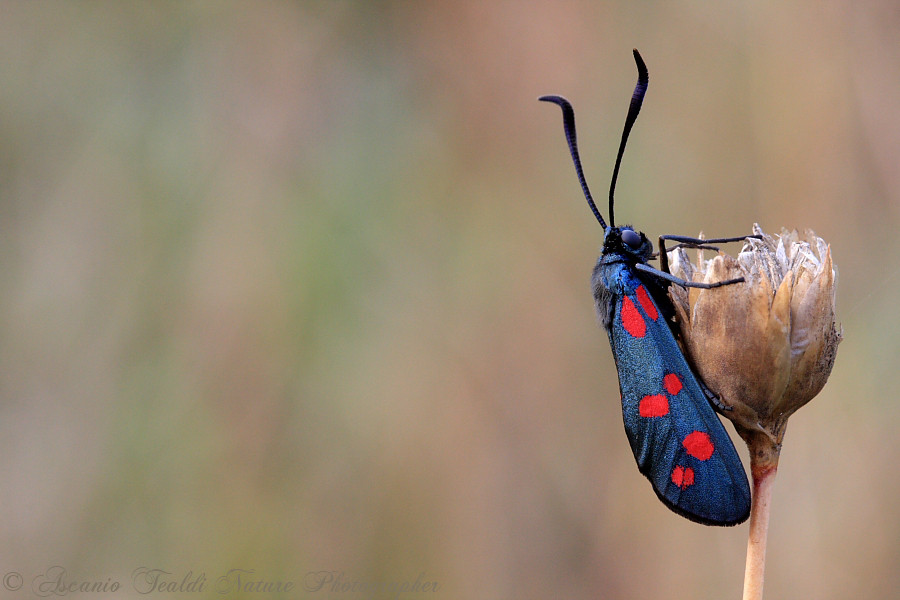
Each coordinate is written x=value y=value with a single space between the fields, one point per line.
x=814 y=337
x=739 y=340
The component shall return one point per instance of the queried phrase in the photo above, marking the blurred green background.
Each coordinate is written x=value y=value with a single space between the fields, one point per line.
x=295 y=287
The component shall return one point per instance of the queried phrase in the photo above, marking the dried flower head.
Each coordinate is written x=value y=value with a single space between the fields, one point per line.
x=765 y=346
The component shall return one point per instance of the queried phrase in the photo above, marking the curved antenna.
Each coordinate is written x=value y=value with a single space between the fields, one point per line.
x=637 y=98
x=569 y=126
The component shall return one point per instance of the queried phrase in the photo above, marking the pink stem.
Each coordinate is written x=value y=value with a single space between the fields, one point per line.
x=763 y=482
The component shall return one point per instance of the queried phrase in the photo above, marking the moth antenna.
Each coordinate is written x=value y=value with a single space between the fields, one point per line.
x=569 y=126
x=637 y=98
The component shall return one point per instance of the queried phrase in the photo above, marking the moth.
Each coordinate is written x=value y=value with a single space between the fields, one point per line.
x=679 y=443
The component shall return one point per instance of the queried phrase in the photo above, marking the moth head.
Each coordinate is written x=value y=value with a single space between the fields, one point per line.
x=625 y=240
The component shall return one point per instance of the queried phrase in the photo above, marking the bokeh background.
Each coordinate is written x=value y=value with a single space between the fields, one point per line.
x=294 y=287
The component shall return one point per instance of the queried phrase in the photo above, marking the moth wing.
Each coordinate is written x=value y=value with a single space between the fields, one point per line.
x=678 y=441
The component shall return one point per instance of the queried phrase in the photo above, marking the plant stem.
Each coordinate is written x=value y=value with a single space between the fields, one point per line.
x=759 y=526
x=764 y=454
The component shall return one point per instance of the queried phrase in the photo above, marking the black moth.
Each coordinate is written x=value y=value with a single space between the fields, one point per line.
x=678 y=441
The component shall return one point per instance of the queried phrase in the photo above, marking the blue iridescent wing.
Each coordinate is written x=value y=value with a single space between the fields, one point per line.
x=678 y=441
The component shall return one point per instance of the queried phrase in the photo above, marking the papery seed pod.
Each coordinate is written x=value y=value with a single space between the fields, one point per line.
x=765 y=346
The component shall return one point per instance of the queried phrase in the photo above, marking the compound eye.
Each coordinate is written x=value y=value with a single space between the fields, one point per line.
x=631 y=238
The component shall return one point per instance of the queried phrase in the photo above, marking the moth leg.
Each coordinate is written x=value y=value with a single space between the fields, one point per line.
x=713 y=398
x=682 y=282
x=690 y=242
x=700 y=241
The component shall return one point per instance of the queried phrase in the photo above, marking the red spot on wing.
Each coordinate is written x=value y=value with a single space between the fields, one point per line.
x=653 y=406
x=698 y=445
x=632 y=320
x=683 y=477
x=672 y=383
x=646 y=302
